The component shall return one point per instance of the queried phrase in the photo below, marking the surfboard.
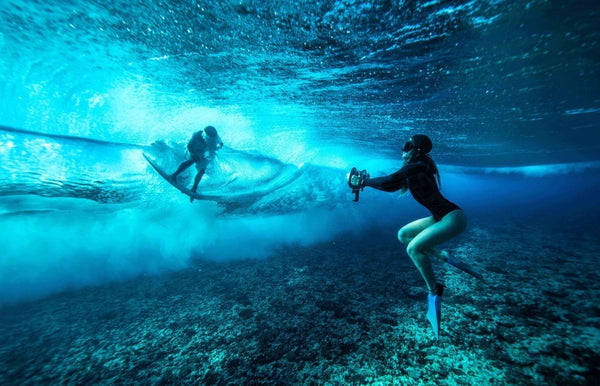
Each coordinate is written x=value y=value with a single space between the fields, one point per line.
x=181 y=188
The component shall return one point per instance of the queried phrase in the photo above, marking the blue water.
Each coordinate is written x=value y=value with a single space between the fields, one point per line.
x=509 y=92
x=108 y=273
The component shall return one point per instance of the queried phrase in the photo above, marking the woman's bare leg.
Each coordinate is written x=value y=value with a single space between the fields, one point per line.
x=425 y=241
x=412 y=229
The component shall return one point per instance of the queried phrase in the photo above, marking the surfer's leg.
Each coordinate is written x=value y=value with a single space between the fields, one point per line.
x=197 y=180
x=447 y=228
x=184 y=165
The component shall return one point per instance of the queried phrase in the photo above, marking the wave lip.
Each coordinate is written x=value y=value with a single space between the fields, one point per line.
x=590 y=110
x=529 y=170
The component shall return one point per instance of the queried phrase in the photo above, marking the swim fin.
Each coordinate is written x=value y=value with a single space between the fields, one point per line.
x=434 y=313
x=463 y=267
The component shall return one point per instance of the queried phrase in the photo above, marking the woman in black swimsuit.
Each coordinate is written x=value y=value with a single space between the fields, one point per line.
x=420 y=175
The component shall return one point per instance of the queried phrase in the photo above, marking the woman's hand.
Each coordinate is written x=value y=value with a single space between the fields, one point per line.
x=358 y=179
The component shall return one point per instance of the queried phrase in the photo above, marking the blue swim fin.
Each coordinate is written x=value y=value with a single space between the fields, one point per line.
x=463 y=267
x=434 y=309
x=434 y=313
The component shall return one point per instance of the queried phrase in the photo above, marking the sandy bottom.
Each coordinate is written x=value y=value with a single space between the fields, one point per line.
x=349 y=311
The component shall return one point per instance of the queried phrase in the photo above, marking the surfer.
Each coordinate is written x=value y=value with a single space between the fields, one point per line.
x=202 y=149
x=420 y=176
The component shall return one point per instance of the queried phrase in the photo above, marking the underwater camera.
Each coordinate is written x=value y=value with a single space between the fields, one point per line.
x=360 y=185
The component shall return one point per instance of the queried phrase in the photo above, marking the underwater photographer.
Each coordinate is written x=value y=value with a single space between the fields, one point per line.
x=420 y=176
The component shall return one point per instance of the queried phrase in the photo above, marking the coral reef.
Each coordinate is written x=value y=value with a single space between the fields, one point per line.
x=349 y=311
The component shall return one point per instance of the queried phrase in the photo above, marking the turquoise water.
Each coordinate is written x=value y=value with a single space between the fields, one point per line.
x=299 y=95
x=509 y=92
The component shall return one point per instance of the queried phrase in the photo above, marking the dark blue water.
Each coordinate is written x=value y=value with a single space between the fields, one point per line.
x=109 y=273
x=508 y=91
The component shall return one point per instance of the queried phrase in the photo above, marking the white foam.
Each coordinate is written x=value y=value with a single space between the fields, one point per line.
x=50 y=245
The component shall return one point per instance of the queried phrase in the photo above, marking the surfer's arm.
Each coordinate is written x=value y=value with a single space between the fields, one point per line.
x=395 y=181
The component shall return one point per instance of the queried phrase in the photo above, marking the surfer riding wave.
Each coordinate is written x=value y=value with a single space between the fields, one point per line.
x=202 y=149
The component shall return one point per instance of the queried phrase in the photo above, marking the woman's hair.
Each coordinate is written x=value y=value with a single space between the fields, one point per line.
x=435 y=170
x=425 y=158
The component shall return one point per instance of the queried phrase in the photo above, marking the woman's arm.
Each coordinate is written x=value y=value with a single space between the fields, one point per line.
x=397 y=180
